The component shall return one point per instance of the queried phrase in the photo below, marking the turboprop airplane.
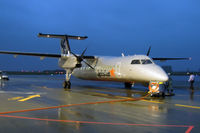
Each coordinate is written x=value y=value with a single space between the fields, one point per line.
x=126 y=69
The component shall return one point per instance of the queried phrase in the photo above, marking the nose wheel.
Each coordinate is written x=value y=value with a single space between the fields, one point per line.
x=67 y=85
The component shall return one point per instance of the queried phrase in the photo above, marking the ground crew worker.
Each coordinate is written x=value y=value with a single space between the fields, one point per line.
x=170 y=89
x=168 y=86
x=191 y=80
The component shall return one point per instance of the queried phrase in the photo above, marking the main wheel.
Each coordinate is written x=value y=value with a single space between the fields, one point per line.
x=127 y=85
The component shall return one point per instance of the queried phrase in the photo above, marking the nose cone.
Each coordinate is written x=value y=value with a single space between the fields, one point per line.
x=152 y=73
x=162 y=76
x=159 y=74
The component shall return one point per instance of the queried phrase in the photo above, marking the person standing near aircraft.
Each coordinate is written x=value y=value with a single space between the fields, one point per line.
x=169 y=86
x=191 y=80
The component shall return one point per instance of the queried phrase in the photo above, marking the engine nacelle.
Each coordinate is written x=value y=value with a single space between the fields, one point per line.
x=68 y=62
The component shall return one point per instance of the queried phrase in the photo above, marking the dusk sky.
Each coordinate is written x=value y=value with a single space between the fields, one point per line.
x=171 y=27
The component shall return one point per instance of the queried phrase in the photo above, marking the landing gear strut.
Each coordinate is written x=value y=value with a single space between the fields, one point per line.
x=67 y=83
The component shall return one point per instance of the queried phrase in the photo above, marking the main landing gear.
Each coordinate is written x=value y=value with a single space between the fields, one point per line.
x=128 y=85
x=67 y=83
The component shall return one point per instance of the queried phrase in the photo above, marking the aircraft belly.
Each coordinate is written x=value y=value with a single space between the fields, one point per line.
x=89 y=75
x=93 y=75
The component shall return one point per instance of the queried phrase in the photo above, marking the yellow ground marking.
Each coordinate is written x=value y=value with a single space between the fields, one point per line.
x=14 y=98
x=102 y=94
x=152 y=101
x=29 y=97
x=99 y=94
x=187 y=106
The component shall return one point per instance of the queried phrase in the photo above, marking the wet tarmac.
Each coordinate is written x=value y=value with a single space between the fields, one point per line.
x=93 y=107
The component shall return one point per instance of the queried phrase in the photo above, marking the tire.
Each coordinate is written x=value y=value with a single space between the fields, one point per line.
x=127 y=85
x=67 y=85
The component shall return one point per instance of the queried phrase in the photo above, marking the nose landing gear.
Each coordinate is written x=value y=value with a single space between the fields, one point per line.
x=67 y=83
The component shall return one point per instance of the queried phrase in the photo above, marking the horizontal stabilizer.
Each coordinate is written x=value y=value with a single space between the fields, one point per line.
x=165 y=59
x=62 y=36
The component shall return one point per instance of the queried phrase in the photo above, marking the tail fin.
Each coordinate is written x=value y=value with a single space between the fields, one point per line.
x=149 y=51
x=65 y=47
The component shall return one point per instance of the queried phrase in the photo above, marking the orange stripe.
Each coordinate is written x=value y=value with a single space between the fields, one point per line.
x=189 y=129
x=69 y=105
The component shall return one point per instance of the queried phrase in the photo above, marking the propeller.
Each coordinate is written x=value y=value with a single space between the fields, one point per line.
x=81 y=59
x=149 y=51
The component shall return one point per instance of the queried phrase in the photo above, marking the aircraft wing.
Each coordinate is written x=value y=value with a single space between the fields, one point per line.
x=165 y=59
x=40 y=54
x=31 y=54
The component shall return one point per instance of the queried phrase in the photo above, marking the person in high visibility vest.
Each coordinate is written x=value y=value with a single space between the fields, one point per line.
x=191 y=80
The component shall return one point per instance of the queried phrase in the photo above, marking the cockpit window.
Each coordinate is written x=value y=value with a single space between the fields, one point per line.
x=135 y=62
x=147 y=61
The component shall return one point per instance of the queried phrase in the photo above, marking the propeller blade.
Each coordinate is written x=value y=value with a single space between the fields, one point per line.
x=83 y=53
x=74 y=54
x=79 y=58
x=88 y=64
x=149 y=51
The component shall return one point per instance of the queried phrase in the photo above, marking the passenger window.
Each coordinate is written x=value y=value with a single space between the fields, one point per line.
x=146 y=61
x=135 y=62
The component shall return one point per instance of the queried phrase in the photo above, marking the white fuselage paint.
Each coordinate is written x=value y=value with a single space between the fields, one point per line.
x=120 y=69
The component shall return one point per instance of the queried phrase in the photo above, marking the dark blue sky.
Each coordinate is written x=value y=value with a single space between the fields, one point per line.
x=171 y=27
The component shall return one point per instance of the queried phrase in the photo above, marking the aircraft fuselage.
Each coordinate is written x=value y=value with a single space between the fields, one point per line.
x=132 y=69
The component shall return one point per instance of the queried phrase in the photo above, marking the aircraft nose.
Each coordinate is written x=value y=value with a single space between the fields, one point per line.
x=154 y=73
x=163 y=77
x=160 y=74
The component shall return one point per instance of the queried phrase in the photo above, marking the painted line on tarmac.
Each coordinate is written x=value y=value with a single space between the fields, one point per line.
x=26 y=93
x=2 y=114
x=22 y=99
x=14 y=98
x=152 y=101
x=102 y=94
x=28 y=98
x=180 y=105
x=187 y=95
x=70 y=105
x=189 y=127
x=187 y=106
x=114 y=96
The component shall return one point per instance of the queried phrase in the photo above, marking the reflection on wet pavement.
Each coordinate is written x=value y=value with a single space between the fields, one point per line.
x=170 y=114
